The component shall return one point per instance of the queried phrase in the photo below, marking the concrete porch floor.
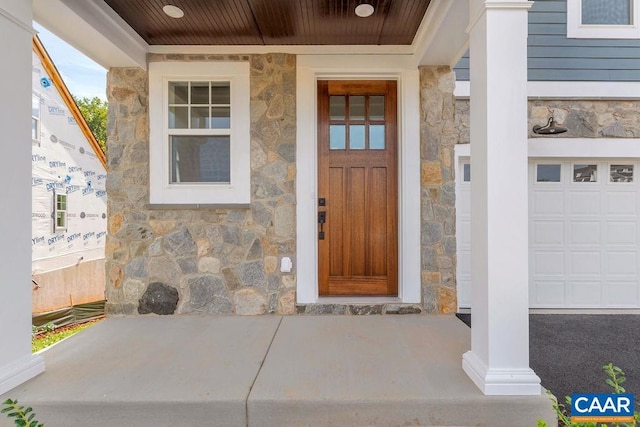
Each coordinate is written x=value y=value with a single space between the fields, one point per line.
x=268 y=371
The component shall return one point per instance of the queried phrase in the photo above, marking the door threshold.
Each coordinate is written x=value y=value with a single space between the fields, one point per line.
x=358 y=300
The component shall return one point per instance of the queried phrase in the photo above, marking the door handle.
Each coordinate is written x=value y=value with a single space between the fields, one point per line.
x=322 y=218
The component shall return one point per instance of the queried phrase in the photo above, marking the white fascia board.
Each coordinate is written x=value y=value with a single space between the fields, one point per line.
x=292 y=49
x=584 y=147
x=554 y=147
x=94 y=29
x=441 y=38
x=569 y=90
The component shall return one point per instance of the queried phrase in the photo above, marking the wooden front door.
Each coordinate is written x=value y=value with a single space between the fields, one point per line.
x=357 y=188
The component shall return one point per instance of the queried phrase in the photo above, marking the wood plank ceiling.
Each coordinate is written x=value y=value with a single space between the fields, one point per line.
x=273 y=22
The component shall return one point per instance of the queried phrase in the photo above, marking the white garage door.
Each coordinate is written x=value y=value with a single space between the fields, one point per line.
x=583 y=234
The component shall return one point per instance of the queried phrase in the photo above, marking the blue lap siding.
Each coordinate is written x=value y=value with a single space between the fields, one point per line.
x=554 y=57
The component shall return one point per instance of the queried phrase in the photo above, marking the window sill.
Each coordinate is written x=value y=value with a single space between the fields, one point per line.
x=159 y=206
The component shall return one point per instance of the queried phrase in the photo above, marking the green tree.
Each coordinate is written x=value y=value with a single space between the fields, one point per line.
x=94 y=111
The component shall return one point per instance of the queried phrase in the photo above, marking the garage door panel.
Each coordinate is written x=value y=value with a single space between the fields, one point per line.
x=621 y=233
x=622 y=293
x=585 y=293
x=585 y=232
x=584 y=203
x=548 y=203
x=463 y=204
x=548 y=232
x=464 y=260
x=622 y=262
x=464 y=233
x=547 y=293
x=548 y=262
x=622 y=203
x=585 y=262
x=464 y=293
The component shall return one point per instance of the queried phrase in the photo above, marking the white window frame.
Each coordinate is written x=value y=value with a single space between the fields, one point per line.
x=162 y=191
x=576 y=30
x=57 y=228
x=34 y=97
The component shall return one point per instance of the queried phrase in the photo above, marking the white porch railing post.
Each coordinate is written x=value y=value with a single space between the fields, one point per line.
x=498 y=362
x=17 y=364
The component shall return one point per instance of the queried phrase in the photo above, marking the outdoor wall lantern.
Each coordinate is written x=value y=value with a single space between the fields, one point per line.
x=549 y=129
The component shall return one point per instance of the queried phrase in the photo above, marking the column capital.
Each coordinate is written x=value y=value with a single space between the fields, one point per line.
x=479 y=8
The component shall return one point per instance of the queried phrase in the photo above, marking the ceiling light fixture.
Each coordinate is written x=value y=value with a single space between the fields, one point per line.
x=173 y=11
x=364 y=10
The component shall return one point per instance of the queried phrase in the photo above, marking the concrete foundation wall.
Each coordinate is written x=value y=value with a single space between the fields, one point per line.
x=62 y=288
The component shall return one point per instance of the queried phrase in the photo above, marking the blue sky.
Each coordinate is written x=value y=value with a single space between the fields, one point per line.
x=83 y=77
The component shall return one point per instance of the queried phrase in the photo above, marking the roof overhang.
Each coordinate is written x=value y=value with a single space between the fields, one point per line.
x=92 y=27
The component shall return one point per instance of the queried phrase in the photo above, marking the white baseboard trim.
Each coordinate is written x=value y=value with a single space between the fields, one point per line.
x=500 y=382
x=20 y=371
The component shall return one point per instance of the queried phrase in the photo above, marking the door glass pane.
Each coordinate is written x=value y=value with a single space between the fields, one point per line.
x=337 y=137
x=200 y=159
x=178 y=93
x=356 y=107
x=376 y=137
x=199 y=117
x=606 y=12
x=356 y=137
x=220 y=93
x=376 y=107
x=221 y=117
x=585 y=173
x=621 y=173
x=548 y=173
x=199 y=92
x=466 y=172
x=178 y=117
x=337 y=107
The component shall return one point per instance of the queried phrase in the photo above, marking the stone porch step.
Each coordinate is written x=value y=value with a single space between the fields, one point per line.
x=268 y=371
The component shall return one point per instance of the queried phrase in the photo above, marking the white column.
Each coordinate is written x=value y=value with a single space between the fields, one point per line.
x=17 y=364
x=498 y=362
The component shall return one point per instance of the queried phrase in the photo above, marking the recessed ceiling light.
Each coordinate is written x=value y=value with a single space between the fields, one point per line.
x=364 y=10
x=173 y=11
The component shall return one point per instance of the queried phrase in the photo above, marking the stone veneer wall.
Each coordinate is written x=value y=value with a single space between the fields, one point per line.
x=438 y=136
x=582 y=118
x=218 y=261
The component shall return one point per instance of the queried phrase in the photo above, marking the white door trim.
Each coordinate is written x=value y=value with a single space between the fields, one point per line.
x=310 y=69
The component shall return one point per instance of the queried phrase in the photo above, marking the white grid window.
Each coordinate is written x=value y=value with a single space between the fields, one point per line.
x=59 y=212
x=603 y=19
x=199 y=132
x=200 y=141
x=35 y=118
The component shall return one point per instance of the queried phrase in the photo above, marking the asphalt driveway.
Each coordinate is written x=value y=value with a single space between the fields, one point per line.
x=567 y=351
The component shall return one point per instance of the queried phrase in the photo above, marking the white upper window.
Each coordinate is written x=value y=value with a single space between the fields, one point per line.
x=603 y=19
x=59 y=212
x=35 y=118
x=199 y=133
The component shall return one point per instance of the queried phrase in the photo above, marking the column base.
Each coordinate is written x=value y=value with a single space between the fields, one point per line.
x=20 y=371
x=500 y=382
